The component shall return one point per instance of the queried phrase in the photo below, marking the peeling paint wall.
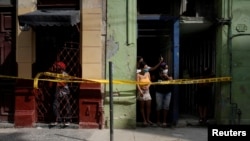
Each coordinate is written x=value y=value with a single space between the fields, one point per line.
x=240 y=58
x=232 y=101
x=121 y=50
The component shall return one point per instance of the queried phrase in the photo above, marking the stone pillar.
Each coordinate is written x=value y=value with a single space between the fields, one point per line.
x=25 y=42
x=92 y=50
x=92 y=61
x=25 y=115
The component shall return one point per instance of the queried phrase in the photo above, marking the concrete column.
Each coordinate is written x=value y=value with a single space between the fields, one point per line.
x=91 y=39
x=92 y=54
x=25 y=109
x=25 y=42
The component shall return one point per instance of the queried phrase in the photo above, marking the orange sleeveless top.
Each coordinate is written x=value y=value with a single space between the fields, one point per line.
x=145 y=80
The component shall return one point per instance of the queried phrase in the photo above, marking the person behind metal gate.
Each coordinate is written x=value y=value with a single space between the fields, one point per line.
x=204 y=92
x=60 y=95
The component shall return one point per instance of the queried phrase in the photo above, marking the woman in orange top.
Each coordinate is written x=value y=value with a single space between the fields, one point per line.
x=144 y=97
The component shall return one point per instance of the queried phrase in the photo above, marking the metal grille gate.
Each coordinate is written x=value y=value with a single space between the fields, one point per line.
x=69 y=54
x=196 y=51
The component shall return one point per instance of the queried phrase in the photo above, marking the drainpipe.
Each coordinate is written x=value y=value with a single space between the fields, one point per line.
x=234 y=106
x=229 y=42
x=127 y=23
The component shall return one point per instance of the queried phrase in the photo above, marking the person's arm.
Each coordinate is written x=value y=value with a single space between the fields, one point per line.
x=149 y=79
x=51 y=84
x=168 y=77
x=63 y=83
x=138 y=85
x=156 y=66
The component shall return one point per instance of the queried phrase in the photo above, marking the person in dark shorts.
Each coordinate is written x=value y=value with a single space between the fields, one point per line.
x=204 y=93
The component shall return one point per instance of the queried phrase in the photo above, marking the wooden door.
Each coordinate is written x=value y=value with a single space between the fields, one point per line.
x=7 y=66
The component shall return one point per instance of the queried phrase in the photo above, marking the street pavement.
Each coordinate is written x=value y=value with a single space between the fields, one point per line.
x=153 y=133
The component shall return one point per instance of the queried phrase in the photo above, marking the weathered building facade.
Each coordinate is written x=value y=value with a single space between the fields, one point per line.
x=186 y=33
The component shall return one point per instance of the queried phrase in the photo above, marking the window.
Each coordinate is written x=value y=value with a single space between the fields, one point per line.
x=5 y=2
x=61 y=4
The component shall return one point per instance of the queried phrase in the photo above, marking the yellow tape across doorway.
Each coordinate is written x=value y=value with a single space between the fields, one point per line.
x=73 y=79
x=55 y=77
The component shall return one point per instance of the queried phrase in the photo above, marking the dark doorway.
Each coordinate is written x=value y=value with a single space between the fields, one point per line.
x=154 y=41
x=196 y=47
x=8 y=65
x=50 y=40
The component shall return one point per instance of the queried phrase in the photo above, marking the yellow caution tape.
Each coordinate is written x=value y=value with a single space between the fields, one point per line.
x=176 y=81
x=55 y=77
x=14 y=77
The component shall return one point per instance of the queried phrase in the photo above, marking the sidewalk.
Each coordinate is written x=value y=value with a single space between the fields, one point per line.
x=188 y=133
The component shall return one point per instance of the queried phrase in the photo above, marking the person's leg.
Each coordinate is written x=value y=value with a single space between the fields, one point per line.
x=201 y=104
x=55 y=107
x=166 y=103
x=148 y=111
x=67 y=108
x=142 y=110
x=207 y=97
x=200 y=108
x=204 y=114
x=158 y=98
x=200 y=101
x=158 y=114
x=164 y=123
